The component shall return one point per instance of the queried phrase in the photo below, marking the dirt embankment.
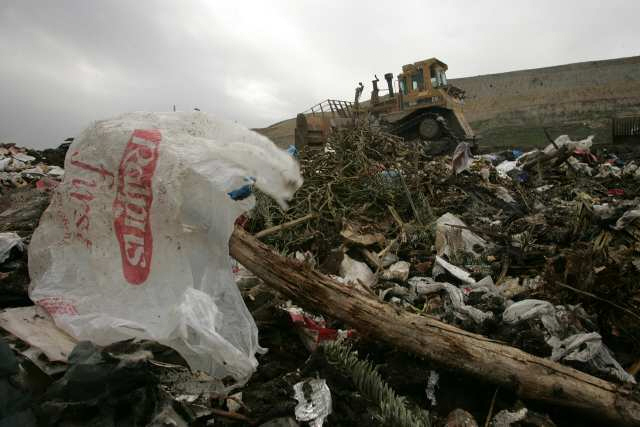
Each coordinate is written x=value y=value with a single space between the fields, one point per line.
x=578 y=99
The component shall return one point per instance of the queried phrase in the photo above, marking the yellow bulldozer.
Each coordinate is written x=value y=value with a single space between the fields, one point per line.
x=422 y=105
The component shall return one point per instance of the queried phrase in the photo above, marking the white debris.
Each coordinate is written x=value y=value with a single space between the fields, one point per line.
x=606 y=170
x=4 y=163
x=583 y=347
x=314 y=401
x=9 y=241
x=563 y=140
x=55 y=171
x=432 y=383
x=23 y=157
x=506 y=418
x=588 y=348
x=397 y=272
x=453 y=238
x=457 y=272
x=506 y=167
x=426 y=285
x=355 y=272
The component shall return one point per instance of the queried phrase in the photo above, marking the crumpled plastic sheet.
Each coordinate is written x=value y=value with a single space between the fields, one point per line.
x=627 y=218
x=588 y=348
x=452 y=237
x=314 y=401
x=356 y=272
x=7 y=242
x=455 y=271
x=398 y=271
x=506 y=167
x=462 y=158
x=426 y=285
x=572 y=145
x=583 y=347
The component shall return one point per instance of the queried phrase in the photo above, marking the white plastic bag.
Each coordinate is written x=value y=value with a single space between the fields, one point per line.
x=135 y=241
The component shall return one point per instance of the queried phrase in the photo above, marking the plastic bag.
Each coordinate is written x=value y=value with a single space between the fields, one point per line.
x=135 y=241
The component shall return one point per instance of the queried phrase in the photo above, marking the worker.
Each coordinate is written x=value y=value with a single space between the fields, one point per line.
x=359 y=90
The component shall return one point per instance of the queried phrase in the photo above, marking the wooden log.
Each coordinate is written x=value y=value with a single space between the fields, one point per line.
x=529 y=376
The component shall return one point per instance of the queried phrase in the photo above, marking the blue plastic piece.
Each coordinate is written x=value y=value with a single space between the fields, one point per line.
x=292 y=150
x=244 y=191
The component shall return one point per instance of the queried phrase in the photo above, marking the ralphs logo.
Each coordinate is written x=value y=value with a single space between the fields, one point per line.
x=132 y=204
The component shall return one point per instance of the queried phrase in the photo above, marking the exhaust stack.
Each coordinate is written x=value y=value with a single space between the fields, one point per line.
x=389 y=78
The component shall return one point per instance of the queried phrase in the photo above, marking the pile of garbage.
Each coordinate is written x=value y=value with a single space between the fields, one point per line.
x=19 y=167
x=539 y=250
x=27 y=178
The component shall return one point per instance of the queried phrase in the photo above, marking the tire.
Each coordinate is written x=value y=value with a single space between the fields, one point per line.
x=429 y=128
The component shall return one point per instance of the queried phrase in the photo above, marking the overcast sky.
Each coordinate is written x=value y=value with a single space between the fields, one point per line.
x=66 y=63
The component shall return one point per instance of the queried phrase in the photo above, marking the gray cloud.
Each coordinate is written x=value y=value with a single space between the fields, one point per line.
x=66 y=63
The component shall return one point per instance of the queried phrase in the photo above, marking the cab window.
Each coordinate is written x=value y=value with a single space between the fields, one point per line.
x=417 y=81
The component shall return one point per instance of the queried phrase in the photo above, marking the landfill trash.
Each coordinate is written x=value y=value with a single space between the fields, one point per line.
x=426 y=285
x=506 y=418
x=589 y=349
x=352 y=236
x=8 y=241
x=312 y=329
x=245 y=190
x=564 y=140
x=627 y=218
x=505 y=167
x=122 y=383
x=125 y=228
x=34 y=326
x=462 y=158
x=292 y=150
x=460 y=418
x=554 y=239
x=581 y=347
x=388 y=259
x=511 y=287
x=578 y=166
x=314 y=401
x=454 y=238
x=356 y=272
x=503 y=194
x=455 y=271
x=606 y=170
x=397 y=272
x=18 y=169
x=234 y=402
x=432 y=383
x=244 y=278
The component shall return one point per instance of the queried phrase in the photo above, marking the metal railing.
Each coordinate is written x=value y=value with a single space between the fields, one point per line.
x=334 y=107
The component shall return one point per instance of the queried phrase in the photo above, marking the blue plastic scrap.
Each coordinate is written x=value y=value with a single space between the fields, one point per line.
x=244 y=191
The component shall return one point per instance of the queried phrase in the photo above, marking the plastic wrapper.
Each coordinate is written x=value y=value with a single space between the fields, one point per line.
x=135 y=241
x=314 y=401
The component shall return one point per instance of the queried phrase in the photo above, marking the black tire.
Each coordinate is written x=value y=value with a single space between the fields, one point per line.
x=429 y=128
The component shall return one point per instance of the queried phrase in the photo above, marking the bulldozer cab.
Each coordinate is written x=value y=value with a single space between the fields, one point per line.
x=421 y=79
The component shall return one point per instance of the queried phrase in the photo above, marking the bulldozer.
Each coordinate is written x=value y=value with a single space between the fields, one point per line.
x=424 y=105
